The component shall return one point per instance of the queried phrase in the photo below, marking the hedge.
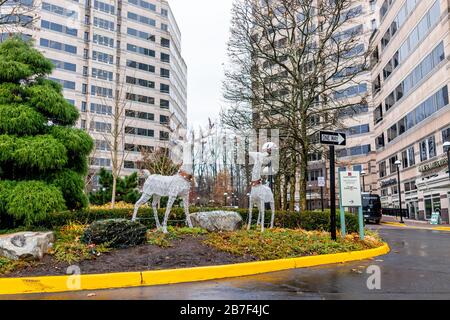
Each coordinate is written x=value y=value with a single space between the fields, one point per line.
x=310 y=220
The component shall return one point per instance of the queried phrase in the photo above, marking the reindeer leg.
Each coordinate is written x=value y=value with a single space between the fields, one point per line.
x=272 y=208
x=186 y=211
x=155 y=202
x=262 y=215
x=250 y=210
x=166 y=216
x=258 y=221
x=144 y=198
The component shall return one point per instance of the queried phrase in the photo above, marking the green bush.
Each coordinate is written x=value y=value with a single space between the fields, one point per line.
x=125 y=189
x=31 y=202
x=315 y=220
x=39 y=150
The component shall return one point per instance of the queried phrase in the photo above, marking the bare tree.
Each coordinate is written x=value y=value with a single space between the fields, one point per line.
x=292 y=64
x=17 y=14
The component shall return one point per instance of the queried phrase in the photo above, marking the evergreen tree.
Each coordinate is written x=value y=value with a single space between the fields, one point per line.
x=43 y=158
x=126 y=188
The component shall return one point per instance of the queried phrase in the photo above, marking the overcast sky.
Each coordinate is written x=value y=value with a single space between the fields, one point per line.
x=204 y=26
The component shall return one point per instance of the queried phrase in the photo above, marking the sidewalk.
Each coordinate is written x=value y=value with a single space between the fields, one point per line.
x=395 y=221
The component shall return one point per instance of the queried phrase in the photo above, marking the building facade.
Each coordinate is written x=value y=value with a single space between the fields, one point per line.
x=359 y=153
x=120 y=64
x=411 y=115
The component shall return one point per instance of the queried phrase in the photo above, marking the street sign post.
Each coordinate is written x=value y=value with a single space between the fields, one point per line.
x=321 y=184
x=333 y=139
x=350 y=197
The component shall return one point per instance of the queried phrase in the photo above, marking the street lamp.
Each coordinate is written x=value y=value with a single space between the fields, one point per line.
x=398 y=163
x=363 y=175
x=447 y=146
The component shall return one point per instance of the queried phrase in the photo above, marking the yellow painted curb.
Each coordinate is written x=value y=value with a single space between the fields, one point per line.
x=161 y=277
x=396 y=224
x=442 y=228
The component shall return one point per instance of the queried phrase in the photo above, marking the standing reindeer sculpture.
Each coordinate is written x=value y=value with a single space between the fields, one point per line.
x=178 y=185
x=261 y=194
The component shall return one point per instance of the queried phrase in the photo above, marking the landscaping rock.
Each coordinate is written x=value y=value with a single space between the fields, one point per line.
x=117 y=233
x=217 y=220
x=26 y=245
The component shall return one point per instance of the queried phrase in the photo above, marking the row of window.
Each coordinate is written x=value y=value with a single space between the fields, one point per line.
x=104 y=7
x=425 y=110
x=143 y=4
x=102 y=145
x=351 y=91
x=141 y=34
x=58 y=28
x=102 y=57
x=65 y=83
x=398 y=21
x=140 y=82
x=64 y=65
x=99 y=91
x=58 y=46
x=104 y=24
x=140 y=131
x=140 y=98
x=141 y=19
x=59 y=10
x=138 y=148
x=427 y=150
x=103 y=40
x=99 y=108
x=355 y=151
x=102 y=74
x=140 y=115
x=423 y=69
x=141 y=50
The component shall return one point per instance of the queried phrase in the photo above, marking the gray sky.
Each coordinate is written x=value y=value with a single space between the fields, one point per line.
x=204 y=26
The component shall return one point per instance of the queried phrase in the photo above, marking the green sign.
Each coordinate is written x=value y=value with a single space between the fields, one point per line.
x=435 y=218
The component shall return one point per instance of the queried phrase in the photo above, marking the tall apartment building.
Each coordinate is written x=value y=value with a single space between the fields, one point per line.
x=411 y=106
x=359 y=153
x=115 y=55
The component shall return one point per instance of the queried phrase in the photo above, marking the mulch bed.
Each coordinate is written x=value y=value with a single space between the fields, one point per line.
x=186 y=252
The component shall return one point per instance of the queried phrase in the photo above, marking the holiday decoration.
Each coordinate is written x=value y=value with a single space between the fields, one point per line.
x=260 y=193
x=178 y=185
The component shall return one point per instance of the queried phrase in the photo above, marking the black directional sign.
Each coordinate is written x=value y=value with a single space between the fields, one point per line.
x=333 y=138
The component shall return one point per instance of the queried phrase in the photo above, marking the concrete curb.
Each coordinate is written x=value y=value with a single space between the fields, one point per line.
x=161 y=277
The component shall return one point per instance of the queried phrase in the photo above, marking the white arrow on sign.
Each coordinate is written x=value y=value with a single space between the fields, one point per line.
x=341 y=139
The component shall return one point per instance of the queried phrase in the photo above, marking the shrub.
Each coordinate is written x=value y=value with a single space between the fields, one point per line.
x=307 y=220
x=42 y=159
x=31 y=201
x=125 y=189
x=116 y=233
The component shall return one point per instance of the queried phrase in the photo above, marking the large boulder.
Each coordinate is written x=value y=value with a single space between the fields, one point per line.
x=26 y=245
x=117 y=233
x=217 y=220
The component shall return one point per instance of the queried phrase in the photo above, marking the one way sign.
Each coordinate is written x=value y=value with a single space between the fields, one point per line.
x=333 y=138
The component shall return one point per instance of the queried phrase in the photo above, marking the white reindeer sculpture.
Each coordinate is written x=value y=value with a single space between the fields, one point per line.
x=261 y=194
x=178 y=185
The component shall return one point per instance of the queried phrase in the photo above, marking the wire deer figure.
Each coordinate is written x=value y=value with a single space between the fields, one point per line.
x=261 y=194
x=178 y=185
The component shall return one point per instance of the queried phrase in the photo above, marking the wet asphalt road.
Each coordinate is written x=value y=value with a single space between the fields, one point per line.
x=418 y=267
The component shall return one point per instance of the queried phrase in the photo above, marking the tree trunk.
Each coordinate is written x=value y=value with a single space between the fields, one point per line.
x=113 y=198
x=277 y=192
x=285 y=193
x=303 y=180
x=293 y=184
